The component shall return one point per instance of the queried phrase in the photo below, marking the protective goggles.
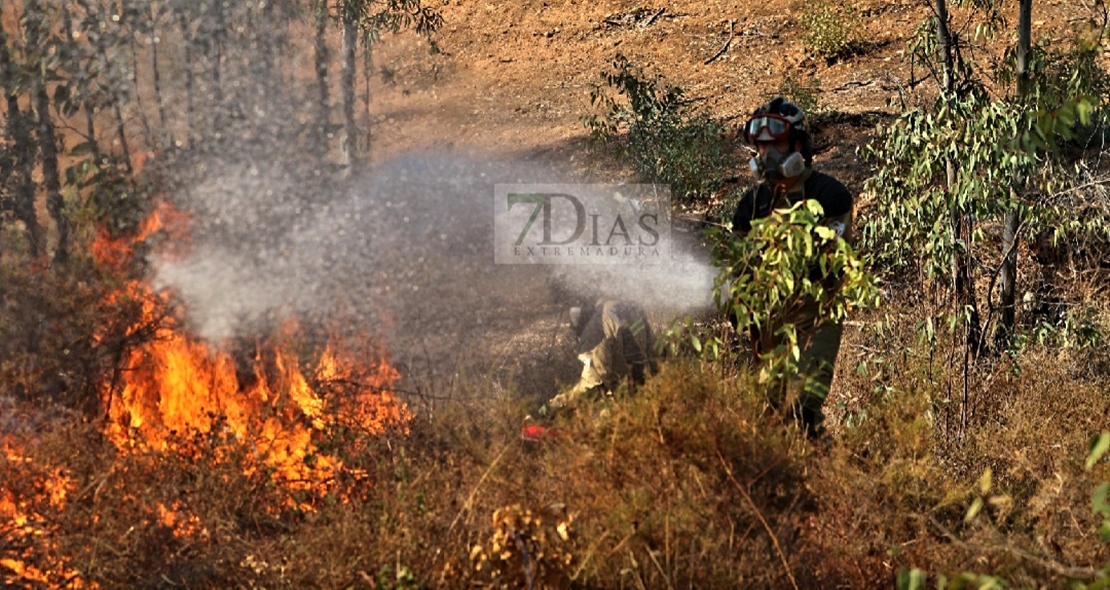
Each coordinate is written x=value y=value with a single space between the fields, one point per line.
x=768 y=128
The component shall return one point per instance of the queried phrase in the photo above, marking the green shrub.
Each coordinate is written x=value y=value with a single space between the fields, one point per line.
x=991 y=145
x=833 y=32
x=805 y=94
x=667 y=141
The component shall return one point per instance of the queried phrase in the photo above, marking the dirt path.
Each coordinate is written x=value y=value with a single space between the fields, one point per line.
x=517 y=78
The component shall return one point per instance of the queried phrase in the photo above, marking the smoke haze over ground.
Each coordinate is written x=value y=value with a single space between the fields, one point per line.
x=403 y=253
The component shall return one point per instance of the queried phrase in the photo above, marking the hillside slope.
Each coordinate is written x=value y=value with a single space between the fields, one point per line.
x=516 y=77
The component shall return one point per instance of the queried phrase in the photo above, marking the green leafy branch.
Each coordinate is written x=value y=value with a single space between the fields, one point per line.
x=788 y=261
x=667 y=140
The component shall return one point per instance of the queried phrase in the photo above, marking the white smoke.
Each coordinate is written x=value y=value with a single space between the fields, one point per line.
x=405 y=252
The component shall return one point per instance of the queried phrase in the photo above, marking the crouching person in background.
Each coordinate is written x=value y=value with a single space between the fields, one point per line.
x=615 y=343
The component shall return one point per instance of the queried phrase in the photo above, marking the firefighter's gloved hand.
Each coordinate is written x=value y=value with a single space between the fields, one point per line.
x=563 y=400
x=570 y=398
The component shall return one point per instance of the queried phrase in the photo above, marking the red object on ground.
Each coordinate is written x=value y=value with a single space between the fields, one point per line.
x=536 y=432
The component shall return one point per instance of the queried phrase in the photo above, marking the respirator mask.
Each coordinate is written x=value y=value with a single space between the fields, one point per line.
x=774 y=165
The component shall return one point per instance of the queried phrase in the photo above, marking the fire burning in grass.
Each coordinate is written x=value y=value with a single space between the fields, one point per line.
x=27 y=501
x=282 y=420
x=173 y=386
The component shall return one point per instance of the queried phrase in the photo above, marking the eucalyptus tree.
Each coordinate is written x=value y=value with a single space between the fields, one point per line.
x=43 y=48
x=1008 y=272
x=136 y=25
x=80 y=92
x=214 y=32
x=952 y=175
x=159 y=13
x=264 y=49
x=100 y=24
x=19 y=135
x=322 y=56
x=184 y=27
x=272 y=39
x=950 y=88
x=362 y=23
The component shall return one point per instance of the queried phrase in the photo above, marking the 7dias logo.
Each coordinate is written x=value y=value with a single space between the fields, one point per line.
x=581 y=223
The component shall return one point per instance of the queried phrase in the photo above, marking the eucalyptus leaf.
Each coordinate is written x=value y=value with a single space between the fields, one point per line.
x=1097 y=448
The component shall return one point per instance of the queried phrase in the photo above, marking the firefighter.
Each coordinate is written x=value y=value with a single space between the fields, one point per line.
x=783 y=167
x=615 y=343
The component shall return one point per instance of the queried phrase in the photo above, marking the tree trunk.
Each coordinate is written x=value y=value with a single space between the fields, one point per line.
x=322 y=58
x=51 y=180
x=165 y=137
x=90 y=132
x=368 y=72
x=83 y=84
x=963 y=287
x=147 y=130
x=1008 y=273
x=1025 y=17
x=279 y=36
x=966 y=301
x=23 y=170
x=24 y=152
x=121 y=127
x=190 y=85
x=219 y=28
x=113 y=96
x=944 y=38
x=39 y=42
x=350 y=133
x=1008 y=277
x=265 y=36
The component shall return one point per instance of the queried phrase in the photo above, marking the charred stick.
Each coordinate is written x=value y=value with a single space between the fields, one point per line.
x=724 y=49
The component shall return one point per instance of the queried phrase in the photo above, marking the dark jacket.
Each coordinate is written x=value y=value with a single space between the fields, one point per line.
x=759 y=200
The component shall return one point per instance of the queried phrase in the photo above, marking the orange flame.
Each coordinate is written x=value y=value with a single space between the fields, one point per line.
x=24 y=522
x=174 y=385
x=117 y=252
x=183 y=526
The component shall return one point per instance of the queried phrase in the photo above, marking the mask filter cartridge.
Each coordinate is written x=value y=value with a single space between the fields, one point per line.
x=774 y=165
x=793 y=165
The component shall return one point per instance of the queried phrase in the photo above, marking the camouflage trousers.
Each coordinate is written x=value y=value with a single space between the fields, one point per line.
x=805 y=392
x=615 y=344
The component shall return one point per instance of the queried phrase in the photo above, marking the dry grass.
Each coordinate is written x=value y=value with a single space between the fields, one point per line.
x=692 y=481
